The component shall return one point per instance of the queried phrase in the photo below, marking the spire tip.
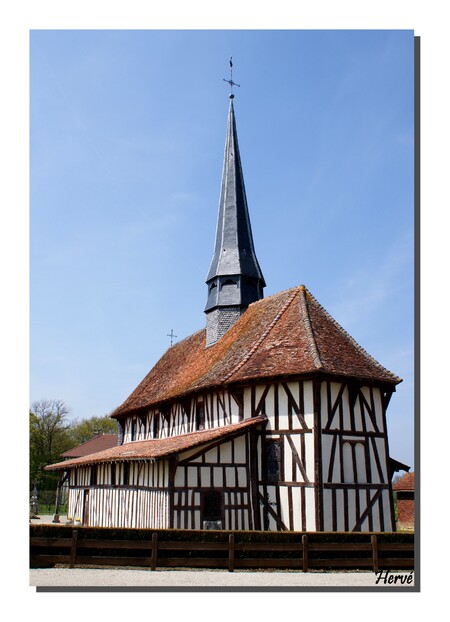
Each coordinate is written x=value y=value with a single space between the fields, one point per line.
x=230 y=81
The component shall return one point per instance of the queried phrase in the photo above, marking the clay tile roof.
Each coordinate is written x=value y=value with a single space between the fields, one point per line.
x=406 y=483
x=159 y=448
x=288 y=333
x=98 y=443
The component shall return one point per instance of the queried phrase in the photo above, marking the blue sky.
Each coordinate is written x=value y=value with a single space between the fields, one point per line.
x=127 y=131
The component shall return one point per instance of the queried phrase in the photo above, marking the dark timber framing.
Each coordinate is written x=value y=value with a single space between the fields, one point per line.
x=335 y=447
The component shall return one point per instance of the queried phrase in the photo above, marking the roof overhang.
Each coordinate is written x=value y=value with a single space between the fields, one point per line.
x=159 y=449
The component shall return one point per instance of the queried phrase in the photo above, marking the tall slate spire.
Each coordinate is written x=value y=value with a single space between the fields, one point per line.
x=234 y=279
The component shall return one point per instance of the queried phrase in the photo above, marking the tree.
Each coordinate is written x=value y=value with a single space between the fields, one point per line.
x=83 y=431
x=51 y=434
x=48 y=439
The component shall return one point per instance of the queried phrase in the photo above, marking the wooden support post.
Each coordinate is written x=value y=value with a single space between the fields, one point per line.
x=305 y=552
x=231 y=552
x=154 y=551
x=73 y=549
x=374 y=541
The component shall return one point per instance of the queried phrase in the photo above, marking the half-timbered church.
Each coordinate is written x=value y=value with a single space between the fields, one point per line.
x=271 y=417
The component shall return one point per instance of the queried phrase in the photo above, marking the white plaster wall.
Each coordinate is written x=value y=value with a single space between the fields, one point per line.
x=225 y=452
x=283 y=419
x=327 y=440
x=308 y=398
x=272 y=499
x=310 y=509
x=387 y=511
x=309 y=456
x=363 y=504
x=259 y=390
x=231 y=477
x=284 y=505
x=270 y=410
x=361 y=474
x=192 y=477
x=240 y=449
x=217 y=477
x=287 y=457
x=381 y=450
x=378 y=409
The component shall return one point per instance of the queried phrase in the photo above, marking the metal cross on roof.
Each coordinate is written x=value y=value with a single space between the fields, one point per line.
x=230 y=81
x=172 y=337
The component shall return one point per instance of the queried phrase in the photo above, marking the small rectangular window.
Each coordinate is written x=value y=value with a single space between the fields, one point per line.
x=133 y=429
x=126 y=473
x=93 y=475
x=200 y=416
x=211 y=505
x=155 y=425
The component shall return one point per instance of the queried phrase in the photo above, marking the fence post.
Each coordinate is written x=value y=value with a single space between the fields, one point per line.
x=154 y=551
x=231 y=552
x=73 y=549
x=374 y=542
x=305 y=552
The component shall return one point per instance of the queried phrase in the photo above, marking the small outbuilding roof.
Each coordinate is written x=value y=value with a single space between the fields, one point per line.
x=405 y=484
x=288 y=333
x=97 y=443
x=159 y=448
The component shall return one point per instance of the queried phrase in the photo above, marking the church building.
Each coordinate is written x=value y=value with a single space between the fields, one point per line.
x=271 y=417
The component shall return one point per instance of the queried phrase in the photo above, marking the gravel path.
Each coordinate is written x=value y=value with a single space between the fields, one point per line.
x=86 y=577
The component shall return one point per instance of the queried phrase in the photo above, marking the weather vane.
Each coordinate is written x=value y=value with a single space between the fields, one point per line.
x=230 y=81
x=172 y=336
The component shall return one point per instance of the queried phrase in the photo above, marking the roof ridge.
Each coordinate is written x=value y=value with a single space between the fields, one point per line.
x=312 y=345
x=352 y=340
x=263 y=336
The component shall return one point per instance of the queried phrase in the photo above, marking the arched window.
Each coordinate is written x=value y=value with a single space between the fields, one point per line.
x=155 y=425
x=133 y=429
x=273 y=461
x=126 y=473
x=200 y=416
x=94 y=474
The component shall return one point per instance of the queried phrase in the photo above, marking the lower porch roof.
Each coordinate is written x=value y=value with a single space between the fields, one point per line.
x=159 y=448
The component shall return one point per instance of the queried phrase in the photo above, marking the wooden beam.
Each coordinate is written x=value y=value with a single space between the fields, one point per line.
x=297 y=460
x=364 y=515
x=293 y=404
x=332 y=409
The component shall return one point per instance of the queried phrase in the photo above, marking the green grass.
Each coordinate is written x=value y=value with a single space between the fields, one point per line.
x=50 y=509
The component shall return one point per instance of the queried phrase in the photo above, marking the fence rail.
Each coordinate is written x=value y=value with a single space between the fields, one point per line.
x=155 y=552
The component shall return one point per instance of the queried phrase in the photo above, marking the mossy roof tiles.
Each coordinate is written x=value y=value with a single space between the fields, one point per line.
x=287 y=334
x=156 y=449
x=102 y=441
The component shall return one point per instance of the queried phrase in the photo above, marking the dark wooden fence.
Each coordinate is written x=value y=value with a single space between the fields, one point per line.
x=302 y=551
